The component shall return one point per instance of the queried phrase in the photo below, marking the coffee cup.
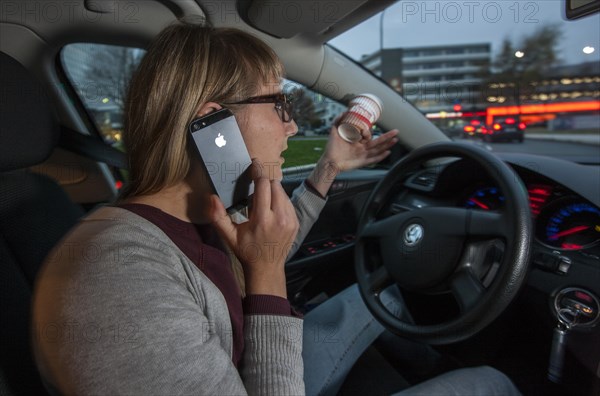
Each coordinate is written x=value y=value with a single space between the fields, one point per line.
x=363 y=111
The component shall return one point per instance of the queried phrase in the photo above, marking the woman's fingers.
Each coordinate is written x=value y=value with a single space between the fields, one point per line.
x=366 y=136
x=383 y=140
x=261 y=201
x=222 y=222
x=381 y=145
x=282 y=206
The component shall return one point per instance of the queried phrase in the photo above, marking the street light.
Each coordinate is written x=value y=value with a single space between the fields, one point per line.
x=381 y=31
x=395 y=82
x=518 y=68
x=588 y=50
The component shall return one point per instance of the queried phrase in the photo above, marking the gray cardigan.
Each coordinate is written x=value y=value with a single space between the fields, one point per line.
x=119 y=309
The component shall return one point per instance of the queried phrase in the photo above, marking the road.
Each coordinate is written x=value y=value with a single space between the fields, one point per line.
x=577 y=152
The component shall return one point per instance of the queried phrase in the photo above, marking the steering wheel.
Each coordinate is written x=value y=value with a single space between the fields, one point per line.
x=420 y=249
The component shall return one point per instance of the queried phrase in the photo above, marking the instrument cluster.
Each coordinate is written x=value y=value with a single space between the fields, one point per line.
x=563 y=220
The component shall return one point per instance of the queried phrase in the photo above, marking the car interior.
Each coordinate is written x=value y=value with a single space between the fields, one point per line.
x=488 y=286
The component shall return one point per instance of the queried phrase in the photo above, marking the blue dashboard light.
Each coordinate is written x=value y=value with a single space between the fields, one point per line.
x=572 y=226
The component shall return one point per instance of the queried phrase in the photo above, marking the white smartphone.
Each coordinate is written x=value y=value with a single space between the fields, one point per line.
x=221 y=146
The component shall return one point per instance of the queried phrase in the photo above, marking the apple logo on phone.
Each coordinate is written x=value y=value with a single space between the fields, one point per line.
x=220 y=141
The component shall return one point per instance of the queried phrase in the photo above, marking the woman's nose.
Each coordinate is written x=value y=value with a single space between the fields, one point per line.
x=291 y=128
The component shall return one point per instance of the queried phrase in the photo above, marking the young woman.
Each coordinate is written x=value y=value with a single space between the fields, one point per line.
x=162 y=293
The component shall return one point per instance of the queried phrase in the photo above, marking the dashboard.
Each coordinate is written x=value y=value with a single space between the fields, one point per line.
x=564 y=202
x=563 y=219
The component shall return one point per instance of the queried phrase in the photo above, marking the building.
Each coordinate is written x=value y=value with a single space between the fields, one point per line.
x=565 y=97
x=567 y=83
x=386 y=64
x=451 y=85
x=99 y=75
x=327 y=109
x=435 y=78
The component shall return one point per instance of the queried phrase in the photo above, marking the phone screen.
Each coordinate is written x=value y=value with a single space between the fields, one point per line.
x=221 y=147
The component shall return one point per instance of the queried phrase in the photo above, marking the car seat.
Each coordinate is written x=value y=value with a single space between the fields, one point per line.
x=35 y=213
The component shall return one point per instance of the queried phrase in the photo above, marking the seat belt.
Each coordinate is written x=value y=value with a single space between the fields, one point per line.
x=91 y=147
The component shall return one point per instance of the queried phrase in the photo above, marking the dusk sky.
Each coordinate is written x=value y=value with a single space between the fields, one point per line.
x=427 y=23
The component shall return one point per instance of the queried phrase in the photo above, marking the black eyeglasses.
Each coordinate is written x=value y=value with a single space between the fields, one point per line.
x=283 y=104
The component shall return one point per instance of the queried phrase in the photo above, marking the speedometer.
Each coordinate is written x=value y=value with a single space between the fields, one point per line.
x=570 y=225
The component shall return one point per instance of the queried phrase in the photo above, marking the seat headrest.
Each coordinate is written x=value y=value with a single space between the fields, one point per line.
x=29 y=130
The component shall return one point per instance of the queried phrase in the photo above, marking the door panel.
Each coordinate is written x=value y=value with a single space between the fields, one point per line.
x=329 y=244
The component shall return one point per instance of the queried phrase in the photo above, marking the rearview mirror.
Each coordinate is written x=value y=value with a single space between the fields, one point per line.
x=575 y=9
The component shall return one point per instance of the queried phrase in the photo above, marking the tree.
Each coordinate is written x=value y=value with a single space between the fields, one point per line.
x=538 y=54
x=113 y=71
x=109 y=73
x=305 y=114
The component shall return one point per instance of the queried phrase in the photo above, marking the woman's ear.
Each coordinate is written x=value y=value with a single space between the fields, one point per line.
x=208 y=108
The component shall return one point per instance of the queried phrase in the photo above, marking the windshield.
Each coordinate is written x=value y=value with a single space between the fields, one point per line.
x=511 y=75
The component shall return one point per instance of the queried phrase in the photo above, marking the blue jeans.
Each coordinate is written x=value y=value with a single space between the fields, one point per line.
x=337 y=332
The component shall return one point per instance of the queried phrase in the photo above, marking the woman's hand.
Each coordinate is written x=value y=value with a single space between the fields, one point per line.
x=341 y=155
x=367 y=151
x=262 y=243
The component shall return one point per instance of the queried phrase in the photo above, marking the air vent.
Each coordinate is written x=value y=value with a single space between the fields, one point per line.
x=424 y=180
x=396 y=208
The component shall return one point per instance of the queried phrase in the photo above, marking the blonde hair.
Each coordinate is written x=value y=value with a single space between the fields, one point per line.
x=186 y=66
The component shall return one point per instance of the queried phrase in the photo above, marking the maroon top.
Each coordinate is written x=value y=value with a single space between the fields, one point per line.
x=201 y=244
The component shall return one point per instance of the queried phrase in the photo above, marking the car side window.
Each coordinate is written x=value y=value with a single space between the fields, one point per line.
x=100 y=75
x=314 y=114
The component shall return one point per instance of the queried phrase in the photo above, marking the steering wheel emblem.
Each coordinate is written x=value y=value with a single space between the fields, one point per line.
x=413 y=234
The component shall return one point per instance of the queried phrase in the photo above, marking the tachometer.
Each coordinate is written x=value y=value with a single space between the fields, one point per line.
x=488 y=198
x=570 y=226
